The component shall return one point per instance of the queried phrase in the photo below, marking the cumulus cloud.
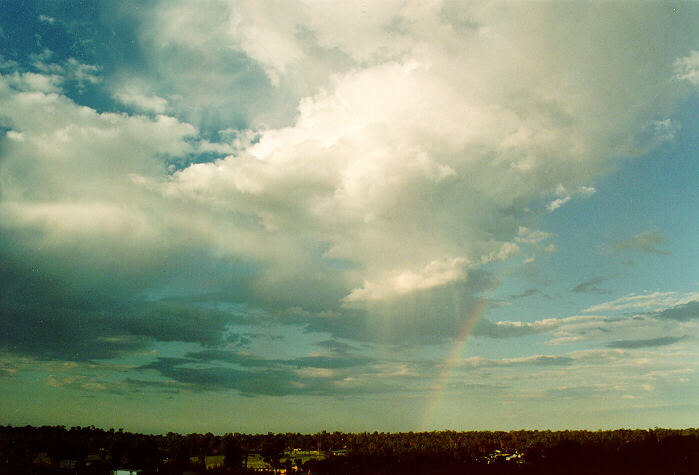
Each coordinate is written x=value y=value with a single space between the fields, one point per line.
x=142 y=102
x=379 y=161
x=434 y=274
x=397 y=147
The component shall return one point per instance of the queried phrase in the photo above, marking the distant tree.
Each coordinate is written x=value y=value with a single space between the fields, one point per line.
x=272 y=450
x=232 y=451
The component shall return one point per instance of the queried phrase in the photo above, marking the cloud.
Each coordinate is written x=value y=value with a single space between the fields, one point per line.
x=565 y=196
x=591 y=285
x=336 y=346
x=652 y=301
x=64 y=73
x=682 y=313
x=28 y=81
x=429 y=316
x=665 y=130
x=64 y=334
x=378 y=163
x=650 y=342
x=644 y=242
x=184 y=322
x=507 y=329
x=529 y=236
x=524 y=294
x=141 y=102
x=342 y=153
x=53 y=318
x=633 y=321
x=687 y=68
x=557 y=203
x=46 y=19
x=249 y=361
x=434 y=274
x=265 y=380
x=534 y=360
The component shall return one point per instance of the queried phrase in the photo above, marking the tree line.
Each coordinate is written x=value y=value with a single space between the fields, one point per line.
x=57 y=449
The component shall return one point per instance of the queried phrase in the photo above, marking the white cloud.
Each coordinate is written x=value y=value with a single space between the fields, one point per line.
x=423 y=133
x=65 y=176
x=557 y=203
x=586 y=191
x=316 y=373
x=530 y=236
x=145 y=103
x=648 y=302
x=533 y=360
x=665 y=130
x=28 y=81
x=434 y=274
x=687 y=68
x=412 y=138
x=646 y=241
x=82 y=73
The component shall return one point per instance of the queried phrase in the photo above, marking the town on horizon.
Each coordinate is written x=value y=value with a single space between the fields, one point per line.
x=55 y=449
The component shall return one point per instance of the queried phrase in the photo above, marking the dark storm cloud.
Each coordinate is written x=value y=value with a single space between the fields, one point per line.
x=180 y=321
x=74 y=334
x=55 y=309
x=50 y=333
x=262 y=381
x=42 y=317
x=681 y=313
x=51 y=318
x=647 y=343
x=223 y=356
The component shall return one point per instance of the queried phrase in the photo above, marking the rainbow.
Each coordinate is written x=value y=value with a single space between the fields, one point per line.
x=451 y=361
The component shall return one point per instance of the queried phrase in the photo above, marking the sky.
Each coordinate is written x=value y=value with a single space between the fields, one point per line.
x=252 y=216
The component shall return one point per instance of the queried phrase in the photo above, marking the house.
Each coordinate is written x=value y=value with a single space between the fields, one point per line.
x=256 y=463
x=214 y=461
x=500 y=456
x=67 y=464
x=42 y=458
